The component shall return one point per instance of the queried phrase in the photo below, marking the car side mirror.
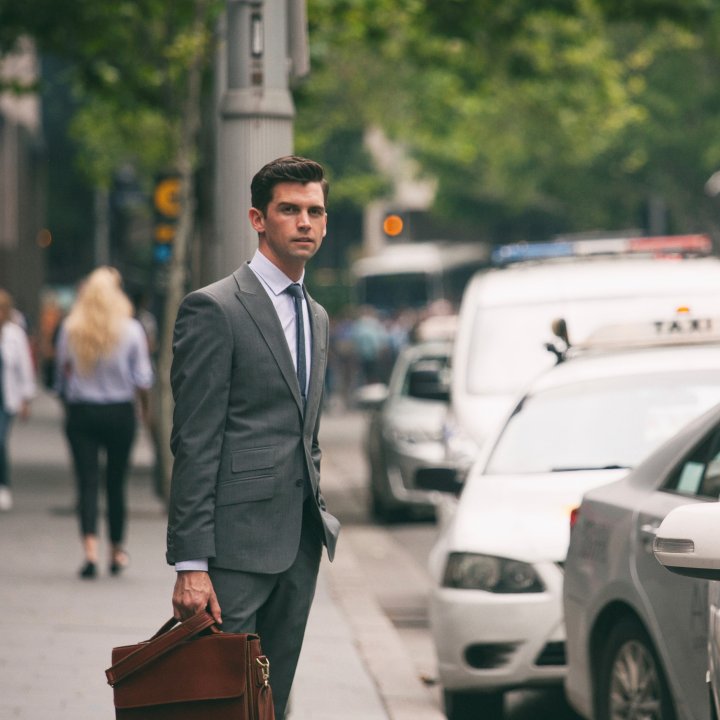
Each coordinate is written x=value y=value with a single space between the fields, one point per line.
x=687 y=541
x=426 y=384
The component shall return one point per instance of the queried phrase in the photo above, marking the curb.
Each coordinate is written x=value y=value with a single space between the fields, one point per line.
x=378 y=643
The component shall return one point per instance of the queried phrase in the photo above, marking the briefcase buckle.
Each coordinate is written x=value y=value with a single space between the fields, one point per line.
x=264 y=664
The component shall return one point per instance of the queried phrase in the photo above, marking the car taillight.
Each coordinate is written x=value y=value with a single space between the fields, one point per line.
x=574 y=515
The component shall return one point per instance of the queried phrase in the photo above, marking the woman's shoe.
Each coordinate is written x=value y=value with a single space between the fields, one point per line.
x=119 y=562
x=88 y=571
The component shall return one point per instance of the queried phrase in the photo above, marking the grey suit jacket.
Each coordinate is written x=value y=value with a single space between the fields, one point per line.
x=243 y=447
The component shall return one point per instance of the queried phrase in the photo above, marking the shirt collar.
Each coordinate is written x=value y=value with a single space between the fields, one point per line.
x=271 y=274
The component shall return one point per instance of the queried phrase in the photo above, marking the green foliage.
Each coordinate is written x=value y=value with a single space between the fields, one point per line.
x=129 y=61
x=109 y=135
x=535 y=116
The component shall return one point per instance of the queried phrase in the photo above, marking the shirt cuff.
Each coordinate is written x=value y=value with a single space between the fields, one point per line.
x=197 y=565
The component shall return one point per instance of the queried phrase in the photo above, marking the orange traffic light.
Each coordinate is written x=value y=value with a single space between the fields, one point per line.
x=393 y=225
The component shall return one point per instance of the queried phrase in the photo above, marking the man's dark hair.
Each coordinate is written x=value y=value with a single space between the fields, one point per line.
x=285 y=169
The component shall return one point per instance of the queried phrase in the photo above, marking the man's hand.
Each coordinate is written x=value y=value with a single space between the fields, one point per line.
x=194 y=592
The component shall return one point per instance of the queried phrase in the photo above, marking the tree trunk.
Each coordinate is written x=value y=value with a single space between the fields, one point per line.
x=177 y=271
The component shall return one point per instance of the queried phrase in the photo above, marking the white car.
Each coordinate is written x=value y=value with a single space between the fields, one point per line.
x=506 y=313
x=496 y=604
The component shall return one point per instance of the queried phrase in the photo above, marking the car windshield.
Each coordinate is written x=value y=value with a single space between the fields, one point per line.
x=604 y=423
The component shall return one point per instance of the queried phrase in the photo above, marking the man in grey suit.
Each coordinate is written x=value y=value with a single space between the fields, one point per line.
x=247 y=520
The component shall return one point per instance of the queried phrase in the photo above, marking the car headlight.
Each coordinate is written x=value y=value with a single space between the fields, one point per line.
x=471 y=571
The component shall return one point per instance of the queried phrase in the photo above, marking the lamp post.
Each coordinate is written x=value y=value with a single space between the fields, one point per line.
x=256 y=111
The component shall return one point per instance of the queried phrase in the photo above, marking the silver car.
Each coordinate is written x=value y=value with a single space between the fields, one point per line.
x=405 y=429
x=636 y=635
x=688 y=543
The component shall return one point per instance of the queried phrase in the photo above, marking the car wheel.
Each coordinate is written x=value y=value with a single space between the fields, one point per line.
x=473 y=705
x=631 y=682
x=380 y=509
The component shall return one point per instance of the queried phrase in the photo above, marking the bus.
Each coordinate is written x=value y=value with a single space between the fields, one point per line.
x=414 y=275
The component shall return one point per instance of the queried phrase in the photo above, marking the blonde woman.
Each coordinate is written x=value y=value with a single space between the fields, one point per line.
x=103 y=366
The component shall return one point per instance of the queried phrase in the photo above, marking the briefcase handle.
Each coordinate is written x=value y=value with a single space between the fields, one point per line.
x=164 y=640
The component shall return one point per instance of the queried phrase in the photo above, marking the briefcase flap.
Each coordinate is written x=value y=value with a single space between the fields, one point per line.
x=210 y=667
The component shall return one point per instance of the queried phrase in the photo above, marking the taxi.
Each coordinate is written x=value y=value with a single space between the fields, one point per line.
x=498 y=567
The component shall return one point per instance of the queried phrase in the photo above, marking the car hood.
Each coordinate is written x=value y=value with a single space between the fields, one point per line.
x=526 y=517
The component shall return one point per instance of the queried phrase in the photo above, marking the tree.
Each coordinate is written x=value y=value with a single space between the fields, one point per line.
x=535 y=116
x=137 y=66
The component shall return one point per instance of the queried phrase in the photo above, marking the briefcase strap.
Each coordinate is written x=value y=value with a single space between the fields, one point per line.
x=163 y=641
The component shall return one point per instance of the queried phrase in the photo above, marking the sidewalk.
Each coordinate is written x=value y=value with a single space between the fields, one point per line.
x=57 y=631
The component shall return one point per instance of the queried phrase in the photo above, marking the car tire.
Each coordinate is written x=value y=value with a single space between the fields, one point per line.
x=631 y=680
x=462 y=705
x=380 y=509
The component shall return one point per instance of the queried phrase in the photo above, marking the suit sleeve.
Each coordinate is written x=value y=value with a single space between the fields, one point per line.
x=200 y=380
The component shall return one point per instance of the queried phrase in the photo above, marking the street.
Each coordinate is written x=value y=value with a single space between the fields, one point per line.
x=393 y=558
x=58 y=630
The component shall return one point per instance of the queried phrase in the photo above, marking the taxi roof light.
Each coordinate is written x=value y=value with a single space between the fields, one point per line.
x=683 y=329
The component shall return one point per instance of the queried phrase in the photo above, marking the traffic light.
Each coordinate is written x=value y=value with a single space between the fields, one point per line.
x=167 y=208
x=393 y=225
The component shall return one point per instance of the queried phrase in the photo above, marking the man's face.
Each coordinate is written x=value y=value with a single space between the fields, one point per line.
x=294 y=226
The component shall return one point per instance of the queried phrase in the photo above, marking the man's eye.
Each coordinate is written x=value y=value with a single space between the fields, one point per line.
x=317 y=212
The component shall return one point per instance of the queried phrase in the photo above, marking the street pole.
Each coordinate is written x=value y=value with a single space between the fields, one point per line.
x=256 y=118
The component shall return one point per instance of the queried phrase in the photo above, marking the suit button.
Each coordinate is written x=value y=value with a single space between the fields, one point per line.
x=299 y=483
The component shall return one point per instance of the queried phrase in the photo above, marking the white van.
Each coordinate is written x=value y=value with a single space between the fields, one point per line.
x=506 y=313
x=414 y=275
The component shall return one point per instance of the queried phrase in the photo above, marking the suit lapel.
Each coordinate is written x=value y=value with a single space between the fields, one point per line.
x=260 y=308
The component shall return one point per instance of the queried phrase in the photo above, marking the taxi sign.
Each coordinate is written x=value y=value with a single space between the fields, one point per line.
x=683 y=329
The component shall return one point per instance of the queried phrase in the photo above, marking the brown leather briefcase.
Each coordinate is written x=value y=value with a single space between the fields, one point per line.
x=182 y=674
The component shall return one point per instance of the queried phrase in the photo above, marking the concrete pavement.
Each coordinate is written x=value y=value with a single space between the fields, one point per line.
x=56 y=631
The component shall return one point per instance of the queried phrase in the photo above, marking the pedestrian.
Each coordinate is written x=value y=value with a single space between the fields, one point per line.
x=247 y=520
x=102 y=369
x=17 y=387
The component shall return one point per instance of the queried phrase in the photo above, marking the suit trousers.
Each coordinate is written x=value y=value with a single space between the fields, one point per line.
x=275 y=606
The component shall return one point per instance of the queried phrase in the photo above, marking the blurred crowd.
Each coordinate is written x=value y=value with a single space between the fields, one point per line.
x=364 y=341
x=364 y=344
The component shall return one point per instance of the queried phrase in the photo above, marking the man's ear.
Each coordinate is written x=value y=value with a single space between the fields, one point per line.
x=257 y=220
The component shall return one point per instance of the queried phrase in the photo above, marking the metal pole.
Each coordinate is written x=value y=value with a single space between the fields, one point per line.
x=256 y=118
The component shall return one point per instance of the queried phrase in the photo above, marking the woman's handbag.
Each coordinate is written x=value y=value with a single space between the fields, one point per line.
x=180 y=674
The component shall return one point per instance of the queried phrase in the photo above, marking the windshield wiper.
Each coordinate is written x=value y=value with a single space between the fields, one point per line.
x=591 y=467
